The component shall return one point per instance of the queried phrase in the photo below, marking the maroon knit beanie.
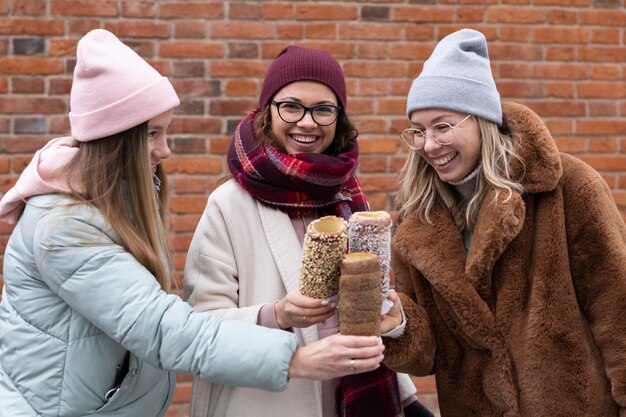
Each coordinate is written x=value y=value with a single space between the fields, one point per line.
x=295 y=63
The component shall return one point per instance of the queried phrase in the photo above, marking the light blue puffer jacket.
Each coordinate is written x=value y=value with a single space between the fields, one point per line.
x=74 y=302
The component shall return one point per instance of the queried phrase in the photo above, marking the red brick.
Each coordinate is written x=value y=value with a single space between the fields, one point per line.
x=204 y=125
x=561 y=35
x=239 y=88
x=231 y=107
x=603 y=54
x=615 y=90
x=104 y=8
x=219 y=145
x=372 y=50
x=245 y=11
x=521 y=88
x=29 y=7
x=277 y=11
x=603 y=17
x=244 y=30
x=201 y=49
x=194 y=164
x=41 y=27
x=378 y=183
x=515 y=34
x=30 y=65
x=603 y=109
x=190 y=29
x=391 y=106
x=59 y=85
x=239 y=68
x=182 y=394
x=600 y=145
x=4 y=165
x=558 y=16
x=63 y=47
x=470 y=14
x=377 y=201
x=373 y=87
x=21 y=144
x=138 y=28
x=187 y=204
x=375 y=31
x=606 y=36
x=560 y=89
x=605 y=72
x=185 y=223
x=371 y=125
x=321 y=30
x=189 y=9
x=601 y=127
x=290 y=30
x=191 y=185
x=515 y=15
x=27 y=85
x=418 y=14
x=311 y=11
x=81 y=26
x=559 y=71
x=384 y=146
x=558 y=108
x=370 y=164
x=373 y=69
x=570 y=144
x=560 y=53
x=139 y=8
x=19 y=105
x=606 y=162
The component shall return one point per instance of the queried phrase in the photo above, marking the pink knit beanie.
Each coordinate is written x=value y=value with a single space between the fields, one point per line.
x=114 y=89
x=295 y=63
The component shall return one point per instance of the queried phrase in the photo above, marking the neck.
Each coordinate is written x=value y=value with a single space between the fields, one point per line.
x=467 y=186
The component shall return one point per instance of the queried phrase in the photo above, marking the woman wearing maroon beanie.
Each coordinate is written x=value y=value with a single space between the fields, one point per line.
x=292 y=161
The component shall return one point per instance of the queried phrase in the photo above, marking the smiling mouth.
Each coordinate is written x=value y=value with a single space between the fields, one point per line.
x=444 y=159
x=304 y=139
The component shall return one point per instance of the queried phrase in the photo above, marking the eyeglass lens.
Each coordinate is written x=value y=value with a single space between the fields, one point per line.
x=323 y=115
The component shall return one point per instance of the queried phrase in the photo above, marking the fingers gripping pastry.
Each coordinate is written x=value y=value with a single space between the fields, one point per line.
x=361 y=298
x=325 y=244
x=370 y=231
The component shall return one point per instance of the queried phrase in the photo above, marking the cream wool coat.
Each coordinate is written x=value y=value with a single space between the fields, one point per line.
x=244 y=255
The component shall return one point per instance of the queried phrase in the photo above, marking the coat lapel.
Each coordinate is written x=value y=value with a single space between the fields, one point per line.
x=438 y=252
x=287 y=252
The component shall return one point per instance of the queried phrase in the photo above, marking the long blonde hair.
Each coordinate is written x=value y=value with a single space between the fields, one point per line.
x=421 y=188
x=106 y=167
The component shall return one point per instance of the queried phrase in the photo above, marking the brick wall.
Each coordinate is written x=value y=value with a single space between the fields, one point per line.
x=563 y=58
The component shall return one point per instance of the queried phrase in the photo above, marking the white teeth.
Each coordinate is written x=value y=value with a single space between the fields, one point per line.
x=445 y=159
x=304 y=139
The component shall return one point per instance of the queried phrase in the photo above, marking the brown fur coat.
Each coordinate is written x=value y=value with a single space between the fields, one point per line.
x=532 y=321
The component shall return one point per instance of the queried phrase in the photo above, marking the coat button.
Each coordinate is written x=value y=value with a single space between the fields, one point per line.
x=134 y=371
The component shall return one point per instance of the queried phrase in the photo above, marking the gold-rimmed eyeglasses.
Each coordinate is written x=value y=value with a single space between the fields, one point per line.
x=442 y=133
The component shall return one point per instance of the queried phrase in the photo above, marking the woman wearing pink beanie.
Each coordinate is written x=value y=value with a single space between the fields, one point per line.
x=292 y=161
x=86 y=324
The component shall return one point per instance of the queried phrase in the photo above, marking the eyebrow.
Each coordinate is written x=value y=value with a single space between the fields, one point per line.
x=434 y=121
x=296 y=99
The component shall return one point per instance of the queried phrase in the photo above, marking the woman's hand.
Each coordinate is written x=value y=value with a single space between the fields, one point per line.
x=393 y=318
x=335 y=356
x=297 y=310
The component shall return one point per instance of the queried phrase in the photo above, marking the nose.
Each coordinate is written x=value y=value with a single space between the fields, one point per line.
x=162 y=149
x=430 y=143
x=307 y=120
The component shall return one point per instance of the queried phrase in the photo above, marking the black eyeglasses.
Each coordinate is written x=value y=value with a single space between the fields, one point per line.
x=323 y=115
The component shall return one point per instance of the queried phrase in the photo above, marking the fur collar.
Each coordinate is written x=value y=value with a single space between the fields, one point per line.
x=542 y=168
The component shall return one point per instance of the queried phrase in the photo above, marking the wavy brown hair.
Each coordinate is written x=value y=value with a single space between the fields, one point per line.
x=115 y=174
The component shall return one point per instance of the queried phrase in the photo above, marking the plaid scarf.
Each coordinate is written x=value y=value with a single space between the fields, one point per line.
x=295 y=184
x=373 y=393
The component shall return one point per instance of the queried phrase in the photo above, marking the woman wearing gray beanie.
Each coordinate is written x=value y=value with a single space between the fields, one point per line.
x=509 y=256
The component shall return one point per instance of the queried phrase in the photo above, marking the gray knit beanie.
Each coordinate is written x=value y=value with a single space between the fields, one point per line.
x=457 y=77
